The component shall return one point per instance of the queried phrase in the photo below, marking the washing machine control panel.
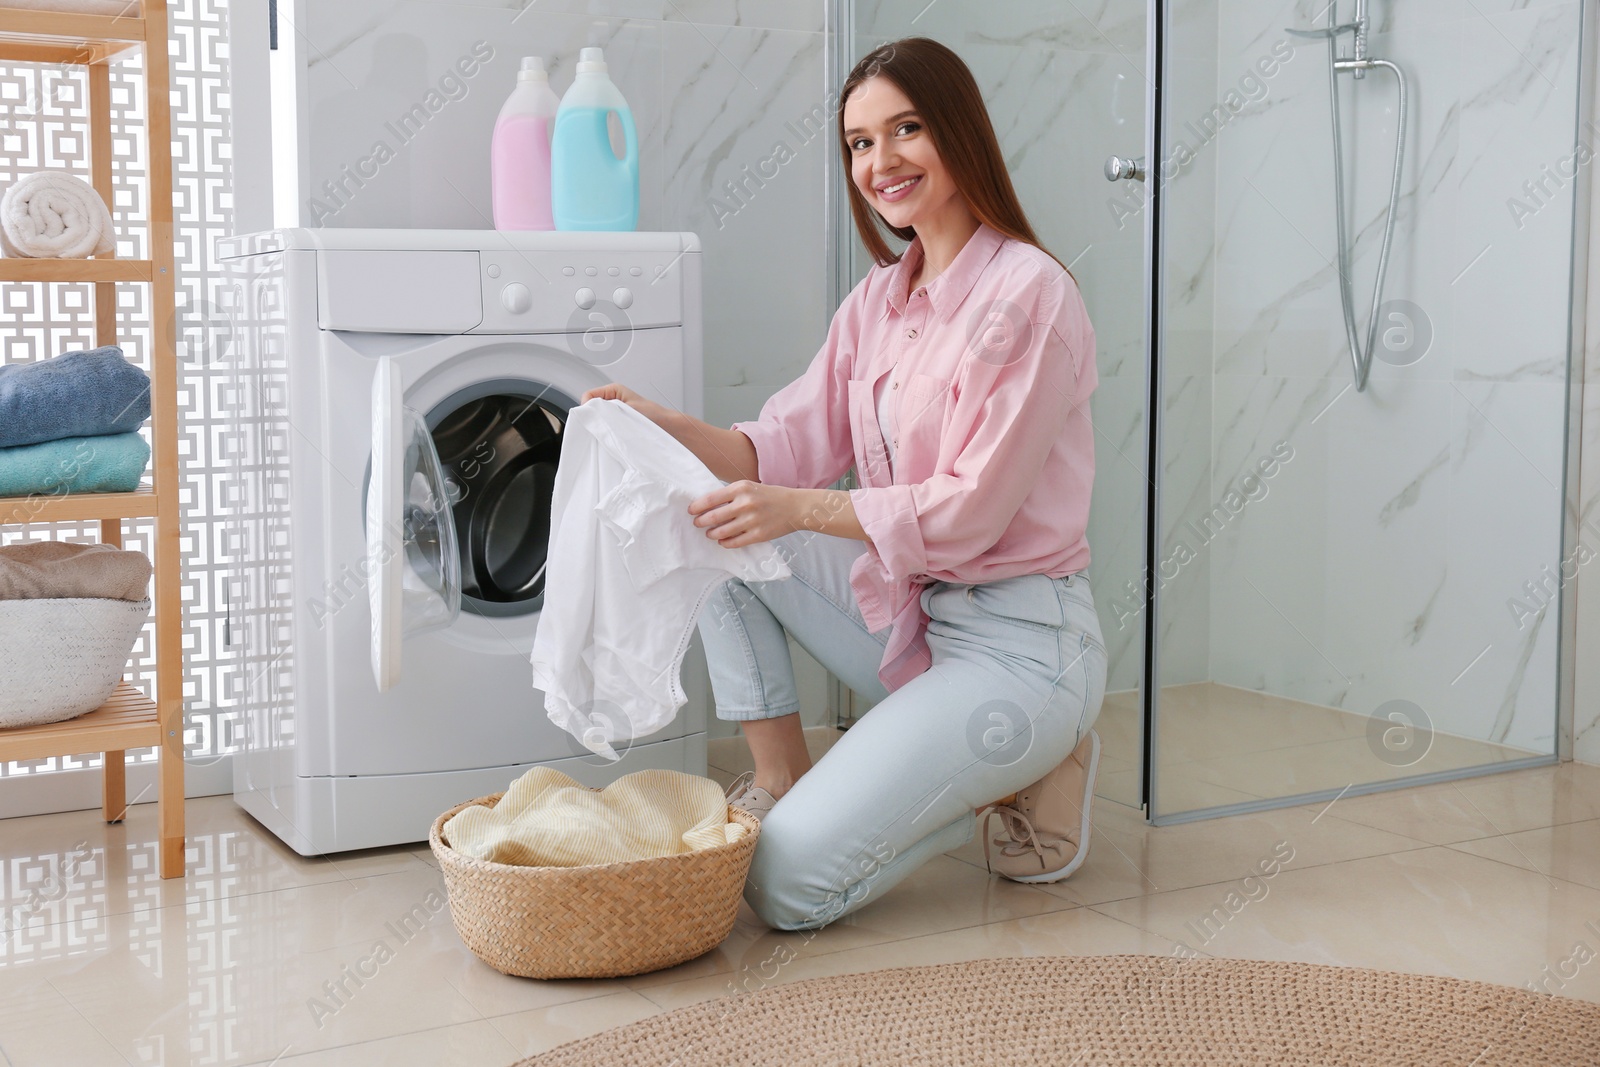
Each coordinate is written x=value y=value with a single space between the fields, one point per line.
x=550 y=292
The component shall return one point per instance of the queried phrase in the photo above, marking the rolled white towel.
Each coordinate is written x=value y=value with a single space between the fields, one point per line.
x=79 y=7
x=52 y=213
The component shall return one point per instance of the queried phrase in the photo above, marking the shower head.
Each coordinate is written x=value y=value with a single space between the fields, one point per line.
x=1357 y=63
x=1357 y=25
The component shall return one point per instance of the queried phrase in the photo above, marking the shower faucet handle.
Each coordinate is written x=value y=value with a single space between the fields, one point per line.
x=1118 y=168
x=1326 y=31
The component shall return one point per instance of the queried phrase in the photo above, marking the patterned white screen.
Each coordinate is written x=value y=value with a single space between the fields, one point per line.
x=43 y=125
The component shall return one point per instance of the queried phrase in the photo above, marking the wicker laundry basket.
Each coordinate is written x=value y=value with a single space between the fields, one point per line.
x=598 y=921
x=63 y=657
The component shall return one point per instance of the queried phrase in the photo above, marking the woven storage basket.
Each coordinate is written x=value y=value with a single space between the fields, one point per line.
x=597 y=921
x=63 y=657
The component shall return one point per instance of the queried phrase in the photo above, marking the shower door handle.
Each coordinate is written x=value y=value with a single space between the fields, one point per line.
x=1118 y=168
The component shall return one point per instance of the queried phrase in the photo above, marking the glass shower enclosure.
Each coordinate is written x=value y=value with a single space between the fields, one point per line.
x=1313 y=582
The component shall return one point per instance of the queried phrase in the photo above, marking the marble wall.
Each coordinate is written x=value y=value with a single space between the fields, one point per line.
x=720 y=90
x=1391 y=543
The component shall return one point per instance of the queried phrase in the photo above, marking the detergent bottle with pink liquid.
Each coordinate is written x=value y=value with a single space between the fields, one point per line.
x=519 y=164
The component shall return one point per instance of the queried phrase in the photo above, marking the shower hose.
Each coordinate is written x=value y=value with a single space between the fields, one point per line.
x=1361 y=359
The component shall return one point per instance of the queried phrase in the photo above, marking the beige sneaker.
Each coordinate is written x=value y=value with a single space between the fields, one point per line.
x=744 y=793
x=1047 y=824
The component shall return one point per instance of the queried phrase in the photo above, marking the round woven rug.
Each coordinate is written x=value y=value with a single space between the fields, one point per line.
x=1090 y=1010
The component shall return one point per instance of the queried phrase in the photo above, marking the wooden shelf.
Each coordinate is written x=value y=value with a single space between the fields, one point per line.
x=77 y=507
x=18 y=269
x=126 y=720
x=83 y=54
x=28 y=25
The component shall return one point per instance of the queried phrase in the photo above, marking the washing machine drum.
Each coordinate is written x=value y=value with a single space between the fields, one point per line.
x=499 y=450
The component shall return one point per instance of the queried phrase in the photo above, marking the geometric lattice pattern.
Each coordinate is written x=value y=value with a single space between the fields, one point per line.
x=44 y=126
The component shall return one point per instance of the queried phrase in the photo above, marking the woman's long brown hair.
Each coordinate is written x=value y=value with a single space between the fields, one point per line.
x=942 y=89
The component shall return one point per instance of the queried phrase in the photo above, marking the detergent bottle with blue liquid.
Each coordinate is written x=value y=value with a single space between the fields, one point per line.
x=590 y=188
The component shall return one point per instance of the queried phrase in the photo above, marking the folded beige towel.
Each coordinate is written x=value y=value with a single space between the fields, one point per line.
x=50 y=570
x=547 y=819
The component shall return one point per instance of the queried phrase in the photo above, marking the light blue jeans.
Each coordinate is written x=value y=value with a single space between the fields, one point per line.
x=1018 y=676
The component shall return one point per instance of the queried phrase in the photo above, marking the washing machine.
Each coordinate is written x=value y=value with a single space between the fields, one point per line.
x=395 y=411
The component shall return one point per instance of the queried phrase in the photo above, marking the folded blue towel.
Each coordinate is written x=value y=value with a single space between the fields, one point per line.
x=99 y=464
x=79 y=394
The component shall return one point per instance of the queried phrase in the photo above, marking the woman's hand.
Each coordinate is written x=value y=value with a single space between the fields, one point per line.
x=747 y=513
x=617 y=391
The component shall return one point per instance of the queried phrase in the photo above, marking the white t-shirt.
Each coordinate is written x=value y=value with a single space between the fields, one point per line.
x=881 y=397
x=628 y=573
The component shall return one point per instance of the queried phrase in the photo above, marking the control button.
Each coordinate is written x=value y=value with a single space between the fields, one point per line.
x=635 y=271
x=613 y=271
x=622 y=297
x=585 y=297
x=568 y=271
x=494 y=270
x=516 y=298
x=590 y=271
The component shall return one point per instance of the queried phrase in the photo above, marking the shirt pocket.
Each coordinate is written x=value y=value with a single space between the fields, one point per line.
x=624 y=511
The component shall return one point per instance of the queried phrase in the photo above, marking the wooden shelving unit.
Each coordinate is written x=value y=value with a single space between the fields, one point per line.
x=128 y=720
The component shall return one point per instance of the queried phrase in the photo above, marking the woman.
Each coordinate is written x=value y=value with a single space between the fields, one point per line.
x=950 y=587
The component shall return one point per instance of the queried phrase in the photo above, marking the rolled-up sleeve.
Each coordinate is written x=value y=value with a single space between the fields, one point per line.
x=802 y=436
x=1013 y=400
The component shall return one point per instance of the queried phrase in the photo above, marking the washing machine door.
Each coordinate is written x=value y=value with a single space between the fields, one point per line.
x=413 y=565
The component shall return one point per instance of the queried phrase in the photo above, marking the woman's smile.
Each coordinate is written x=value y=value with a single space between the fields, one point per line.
x=899 y=190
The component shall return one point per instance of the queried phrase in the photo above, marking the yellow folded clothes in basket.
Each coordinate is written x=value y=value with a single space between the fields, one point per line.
x=548 y=819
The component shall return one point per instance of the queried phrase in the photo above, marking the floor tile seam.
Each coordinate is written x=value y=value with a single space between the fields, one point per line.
x=1417 y=847
x=138 y=907
x=489 y=1016
x=89 y=1023
x=1069 y=905
x=288 y=1054
x=1464 y=840
x=1568 y=882
x=492 y=1019
x=1144 y=929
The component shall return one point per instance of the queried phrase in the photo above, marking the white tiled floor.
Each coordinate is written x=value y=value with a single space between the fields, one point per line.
x=259 y=955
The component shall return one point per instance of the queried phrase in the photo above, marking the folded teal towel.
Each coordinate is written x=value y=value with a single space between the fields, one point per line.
x=74 y=395
x=112 y=463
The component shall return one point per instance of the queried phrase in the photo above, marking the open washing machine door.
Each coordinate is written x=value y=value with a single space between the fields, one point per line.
x=413 y=566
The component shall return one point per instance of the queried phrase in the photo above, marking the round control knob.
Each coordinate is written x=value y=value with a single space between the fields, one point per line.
x=584 y=297
x=622 y=297
x=516 y=298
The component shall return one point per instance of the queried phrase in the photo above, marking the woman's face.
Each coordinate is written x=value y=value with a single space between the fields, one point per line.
x=889 y=145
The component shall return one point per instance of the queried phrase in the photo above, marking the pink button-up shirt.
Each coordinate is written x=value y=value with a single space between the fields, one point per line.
x=991 y=367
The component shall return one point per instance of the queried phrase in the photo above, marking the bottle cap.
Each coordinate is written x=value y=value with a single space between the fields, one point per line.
x=532 y=70
x=591 y=61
